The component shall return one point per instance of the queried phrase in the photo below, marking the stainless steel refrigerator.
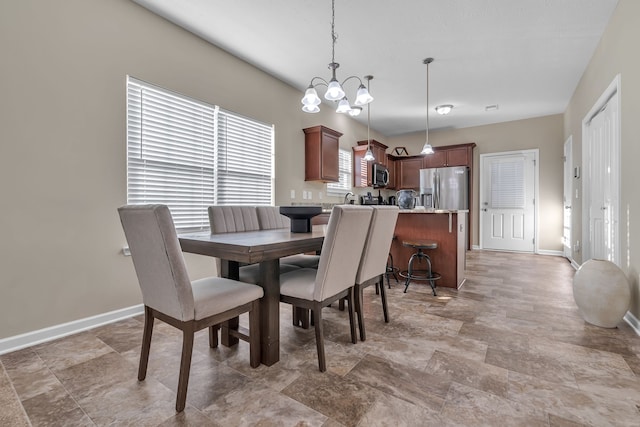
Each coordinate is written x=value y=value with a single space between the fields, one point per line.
x=445 y=188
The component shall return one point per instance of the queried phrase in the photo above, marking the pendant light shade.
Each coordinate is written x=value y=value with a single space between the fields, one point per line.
x=427 y=148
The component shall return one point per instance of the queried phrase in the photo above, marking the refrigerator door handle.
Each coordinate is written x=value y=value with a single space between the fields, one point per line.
x=436 y=191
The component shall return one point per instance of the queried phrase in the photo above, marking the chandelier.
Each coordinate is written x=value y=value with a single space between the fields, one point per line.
x=335 y=92
x=427 y=148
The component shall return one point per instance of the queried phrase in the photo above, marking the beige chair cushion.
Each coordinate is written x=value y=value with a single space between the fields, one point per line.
x=341 y=252
x=299 y=283
x=269 y=217
x=213 y=295
x=230 y=219
x=376 y=249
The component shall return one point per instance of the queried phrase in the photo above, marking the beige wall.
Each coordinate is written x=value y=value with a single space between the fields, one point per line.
x=62 y=152
x=543 y=133
x=616 y=54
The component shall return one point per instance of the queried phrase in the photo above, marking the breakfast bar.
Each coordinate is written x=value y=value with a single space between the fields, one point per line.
x=448 y=228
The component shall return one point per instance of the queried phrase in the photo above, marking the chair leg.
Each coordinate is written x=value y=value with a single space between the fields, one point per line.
x=254 y=334
x=352 y=323
x=358 y=290
x=383 y=297
x=213 y=336
x=185 y=365
x=431 y=282
x=317 y=320
x=146 y=344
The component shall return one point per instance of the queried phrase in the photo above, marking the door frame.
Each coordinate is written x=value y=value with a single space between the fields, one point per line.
x=568 y=175
x=536 y=186
x=613 y=88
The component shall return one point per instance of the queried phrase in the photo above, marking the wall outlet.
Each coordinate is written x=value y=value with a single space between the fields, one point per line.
x=293 y=194
x=320 y=195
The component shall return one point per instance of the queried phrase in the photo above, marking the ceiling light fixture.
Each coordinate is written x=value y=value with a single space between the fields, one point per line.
x=444 y=109
x=427 y=148
x=368 y=156
x=311 y=101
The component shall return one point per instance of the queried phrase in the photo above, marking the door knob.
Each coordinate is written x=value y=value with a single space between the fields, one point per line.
x=484 y=209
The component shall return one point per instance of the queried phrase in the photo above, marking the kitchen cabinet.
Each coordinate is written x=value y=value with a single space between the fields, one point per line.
x=362 y=168
x=391 y=167
x=321 y=151
x=451 y=155
x=408 y=172
x=449 y=229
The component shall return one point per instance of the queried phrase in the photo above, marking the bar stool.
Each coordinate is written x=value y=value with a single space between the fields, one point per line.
x=391 y=270
x=415 y=274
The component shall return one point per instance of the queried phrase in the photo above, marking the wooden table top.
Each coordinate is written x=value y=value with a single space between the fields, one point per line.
x=253 y=246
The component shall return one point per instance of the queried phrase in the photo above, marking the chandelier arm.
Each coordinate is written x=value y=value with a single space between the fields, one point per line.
x=352 y=77
x=323 y=82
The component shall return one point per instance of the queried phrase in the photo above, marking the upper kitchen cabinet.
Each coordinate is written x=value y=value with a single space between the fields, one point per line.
x=391 y=167
x=321 y=152
x=362 y=168
x=408 y=172
x=450 y=155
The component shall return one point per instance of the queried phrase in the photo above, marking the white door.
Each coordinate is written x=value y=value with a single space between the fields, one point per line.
x=602 y=137
x=507 y=201
x=568 y=196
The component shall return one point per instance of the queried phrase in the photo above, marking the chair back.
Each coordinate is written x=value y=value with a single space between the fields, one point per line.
x=230 y=219
x=269 y=217
x=376 y=249
x=341 y=250
x=158 y=261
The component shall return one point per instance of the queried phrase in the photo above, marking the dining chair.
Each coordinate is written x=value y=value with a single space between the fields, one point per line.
x=269 y=218
x=335 y=277
x=170 y=296
x=373 y=263
x=236 y=218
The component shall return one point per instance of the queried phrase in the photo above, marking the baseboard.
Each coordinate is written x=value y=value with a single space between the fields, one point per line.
x=475 y=248
x=548 y=252
x=574 y=264
x=633 y=322
x=18 y=342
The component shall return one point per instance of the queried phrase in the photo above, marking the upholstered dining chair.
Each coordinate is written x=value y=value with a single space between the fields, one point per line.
x=269 y=218
x=373 y=263
x=236 y=218
x=335 y=277
x=169 y=295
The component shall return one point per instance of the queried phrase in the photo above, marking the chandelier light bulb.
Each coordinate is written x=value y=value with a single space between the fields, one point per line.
x=368 y=156
x=334 y=91
x=363 y=97
x=311 y=97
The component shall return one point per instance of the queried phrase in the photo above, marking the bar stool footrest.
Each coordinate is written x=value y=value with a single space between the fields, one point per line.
x=420 y=275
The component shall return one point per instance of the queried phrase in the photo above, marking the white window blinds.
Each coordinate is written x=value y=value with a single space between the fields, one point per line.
x=344 y=169
x=190 y=155
x=507 y=184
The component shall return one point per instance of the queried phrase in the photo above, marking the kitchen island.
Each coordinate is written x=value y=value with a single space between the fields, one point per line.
x=448 y=228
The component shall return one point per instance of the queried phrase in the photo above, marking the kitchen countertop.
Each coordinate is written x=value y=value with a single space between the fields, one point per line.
x=433 y=211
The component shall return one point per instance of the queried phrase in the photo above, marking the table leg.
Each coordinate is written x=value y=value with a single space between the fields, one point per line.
x=230 y=270
x=270 y=312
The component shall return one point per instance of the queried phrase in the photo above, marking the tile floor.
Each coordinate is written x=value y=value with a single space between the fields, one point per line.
x=508 y=349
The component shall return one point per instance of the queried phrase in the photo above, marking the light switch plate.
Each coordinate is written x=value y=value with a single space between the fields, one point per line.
x=293 y=194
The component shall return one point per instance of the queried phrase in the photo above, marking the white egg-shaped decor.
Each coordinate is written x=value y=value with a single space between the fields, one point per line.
x=601 y=292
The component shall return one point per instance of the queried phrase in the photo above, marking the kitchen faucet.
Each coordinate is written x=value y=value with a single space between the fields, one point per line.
x=346 y=197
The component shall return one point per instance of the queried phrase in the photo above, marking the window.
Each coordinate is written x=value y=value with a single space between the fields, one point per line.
x=344 y=171
x=189 y=155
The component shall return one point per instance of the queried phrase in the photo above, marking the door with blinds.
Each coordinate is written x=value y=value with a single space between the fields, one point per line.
x=507 y=201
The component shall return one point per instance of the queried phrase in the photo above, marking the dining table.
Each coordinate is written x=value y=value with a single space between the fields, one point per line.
x=265 y=247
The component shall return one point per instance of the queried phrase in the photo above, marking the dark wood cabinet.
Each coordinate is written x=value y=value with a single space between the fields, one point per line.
x=408 y=172
x=361 y=167
x=321 y=152
x=452 y=155
x=391 y=167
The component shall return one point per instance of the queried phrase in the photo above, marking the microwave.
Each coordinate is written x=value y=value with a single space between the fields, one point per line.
x=379 y=175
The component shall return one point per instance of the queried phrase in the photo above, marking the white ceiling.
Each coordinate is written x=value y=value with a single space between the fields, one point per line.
x=526 y=56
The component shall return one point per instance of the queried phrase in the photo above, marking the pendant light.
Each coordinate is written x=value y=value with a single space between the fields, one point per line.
x=427 y=148
x=368 y=156
x=335 y=91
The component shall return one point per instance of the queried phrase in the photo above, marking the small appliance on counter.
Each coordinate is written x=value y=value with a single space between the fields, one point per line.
x=369 y=199
x=392 y=200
